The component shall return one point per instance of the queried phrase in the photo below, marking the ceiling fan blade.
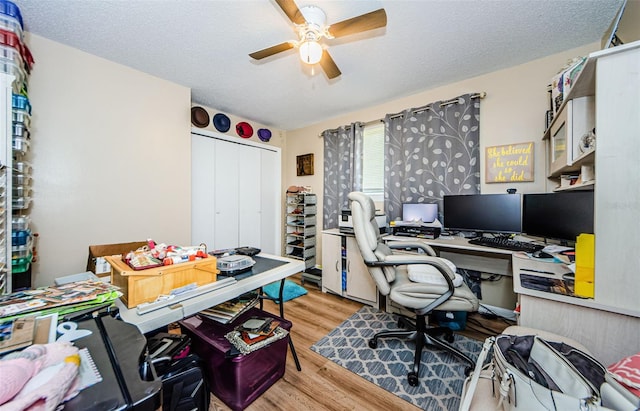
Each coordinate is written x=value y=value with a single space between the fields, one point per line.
x=291 y=10
x=270 y=51
x=329 y=66
x=368 y=21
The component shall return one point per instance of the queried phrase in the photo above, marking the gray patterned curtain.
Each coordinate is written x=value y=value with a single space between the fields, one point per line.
x=431 y=152
x=342 y=170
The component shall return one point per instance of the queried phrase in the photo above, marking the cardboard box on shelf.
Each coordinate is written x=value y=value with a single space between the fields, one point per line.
x=98 y=265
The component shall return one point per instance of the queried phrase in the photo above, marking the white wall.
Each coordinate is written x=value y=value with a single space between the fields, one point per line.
x=512 y=112
x=111 y=155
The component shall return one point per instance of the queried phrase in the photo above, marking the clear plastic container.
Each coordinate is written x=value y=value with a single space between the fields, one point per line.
x=9 y=10
x=20 y=130
x=20 y=265
x=20 y=102
x=21 y=251
x=21 y=191
x=21 y=116
x=20 y=237
x=235 y=263
x=12 y=39
x=21 y=180
x=13 y=68
x=20 y=222
x=11 y=54
x=11 y=24
x=21 y=145
x=21 y=203
x=23 y=167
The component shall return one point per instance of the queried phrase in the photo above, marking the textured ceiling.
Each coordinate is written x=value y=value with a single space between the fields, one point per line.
x=204 y=45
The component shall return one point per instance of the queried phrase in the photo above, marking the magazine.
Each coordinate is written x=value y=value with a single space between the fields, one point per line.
x=230 y=310
x=47 y=298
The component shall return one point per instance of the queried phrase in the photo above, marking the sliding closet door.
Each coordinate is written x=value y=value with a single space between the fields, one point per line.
x=236 y=194
x=271 y=200
x=202 y=192
x=249 y=169
x=226 y=195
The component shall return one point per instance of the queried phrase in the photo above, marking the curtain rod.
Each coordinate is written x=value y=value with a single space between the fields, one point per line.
x=347 y=127
x=480 y=95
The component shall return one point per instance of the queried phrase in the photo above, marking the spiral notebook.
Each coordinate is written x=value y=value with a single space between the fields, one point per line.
x=88 y=372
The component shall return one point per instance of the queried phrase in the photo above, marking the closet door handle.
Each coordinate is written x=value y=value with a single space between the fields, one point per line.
x=348 y=266
x=337 y=266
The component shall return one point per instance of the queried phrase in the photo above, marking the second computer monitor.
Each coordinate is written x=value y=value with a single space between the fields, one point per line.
x=493 y=213
x=560 y=216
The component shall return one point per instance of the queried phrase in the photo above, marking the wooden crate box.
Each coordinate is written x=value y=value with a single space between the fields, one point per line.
x=144 y=286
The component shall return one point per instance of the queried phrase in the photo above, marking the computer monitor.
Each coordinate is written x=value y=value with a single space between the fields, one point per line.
x=559 y=216
x=492 y=213
x=424 y=212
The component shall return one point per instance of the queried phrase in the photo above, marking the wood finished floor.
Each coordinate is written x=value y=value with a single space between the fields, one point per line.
x=322 y=384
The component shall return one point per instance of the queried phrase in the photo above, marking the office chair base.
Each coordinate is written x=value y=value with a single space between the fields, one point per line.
x=422 y=336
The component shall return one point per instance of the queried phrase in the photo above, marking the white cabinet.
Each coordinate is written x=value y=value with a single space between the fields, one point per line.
x=343 y=269
x=617 y=194
x=234 y=193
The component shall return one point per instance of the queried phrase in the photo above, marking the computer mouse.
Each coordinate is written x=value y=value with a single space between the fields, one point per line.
x=541 y=254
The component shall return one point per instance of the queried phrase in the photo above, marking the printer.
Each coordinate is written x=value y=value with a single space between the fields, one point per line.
x=416 y=229
x=345 y=225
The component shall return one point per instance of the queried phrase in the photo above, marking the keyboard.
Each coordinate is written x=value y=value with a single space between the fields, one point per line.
x=506 y=244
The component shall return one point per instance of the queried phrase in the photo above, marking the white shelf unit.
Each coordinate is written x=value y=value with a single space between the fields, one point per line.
x=6 y=159
x=300 y=228
x=16 y=240
x=612 y=76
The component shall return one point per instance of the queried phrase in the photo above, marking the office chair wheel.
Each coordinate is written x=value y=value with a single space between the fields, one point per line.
x=449 y=337
x=412 y=377
x=373 y=343
x=467 y=371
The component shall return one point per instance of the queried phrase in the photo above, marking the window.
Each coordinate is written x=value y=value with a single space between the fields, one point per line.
x=373 y=161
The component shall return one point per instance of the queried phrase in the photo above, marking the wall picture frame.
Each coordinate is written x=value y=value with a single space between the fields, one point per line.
x=509 y=163
x=304 y=164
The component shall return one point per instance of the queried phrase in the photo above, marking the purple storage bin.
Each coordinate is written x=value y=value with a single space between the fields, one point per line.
x=237 y=381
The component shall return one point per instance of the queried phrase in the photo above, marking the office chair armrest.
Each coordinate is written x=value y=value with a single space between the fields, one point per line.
x=410 y=245
x=408 y=259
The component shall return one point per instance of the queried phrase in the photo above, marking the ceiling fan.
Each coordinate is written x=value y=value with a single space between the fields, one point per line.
x=310 y=25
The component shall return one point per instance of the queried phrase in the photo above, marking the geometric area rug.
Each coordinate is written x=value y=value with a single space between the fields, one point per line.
x=441 y=374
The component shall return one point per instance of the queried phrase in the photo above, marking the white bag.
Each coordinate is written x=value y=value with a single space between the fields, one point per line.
x=531 y=374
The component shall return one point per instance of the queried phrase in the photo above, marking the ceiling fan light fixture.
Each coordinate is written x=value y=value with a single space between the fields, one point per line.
x=310 y=52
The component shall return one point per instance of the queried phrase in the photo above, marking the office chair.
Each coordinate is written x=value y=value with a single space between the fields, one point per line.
x=390 y=273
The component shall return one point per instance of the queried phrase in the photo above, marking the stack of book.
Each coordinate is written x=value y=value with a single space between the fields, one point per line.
x=228 y=311
x=255 y=333
x=62 y=299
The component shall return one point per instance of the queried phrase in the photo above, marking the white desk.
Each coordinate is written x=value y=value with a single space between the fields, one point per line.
x=166 y=315
x=497 y=295
x=465 y=255
x=582 y=319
